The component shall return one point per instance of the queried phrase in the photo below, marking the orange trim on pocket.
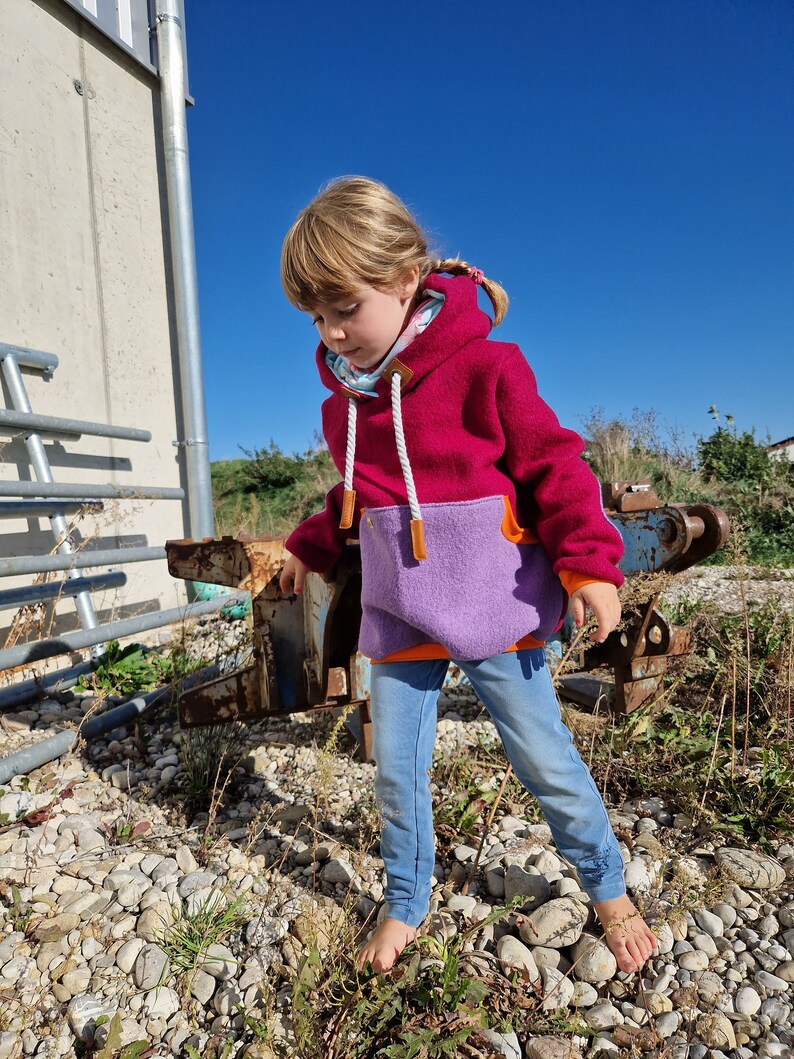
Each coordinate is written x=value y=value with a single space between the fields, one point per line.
x=425 y=652
x=512 y=530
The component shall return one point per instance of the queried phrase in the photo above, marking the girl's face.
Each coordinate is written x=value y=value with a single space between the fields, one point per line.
x=364 y=326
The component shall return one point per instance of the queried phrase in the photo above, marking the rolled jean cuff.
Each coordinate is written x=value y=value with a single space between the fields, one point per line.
x=406 y=913
x=601 y=875
x=605 y=891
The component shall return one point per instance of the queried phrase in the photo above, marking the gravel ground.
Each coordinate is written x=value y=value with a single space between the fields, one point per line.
x=719 y=986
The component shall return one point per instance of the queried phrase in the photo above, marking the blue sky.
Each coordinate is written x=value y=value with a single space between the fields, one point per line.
x=624 y=169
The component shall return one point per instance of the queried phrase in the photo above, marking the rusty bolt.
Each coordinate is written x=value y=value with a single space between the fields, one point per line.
x=667 y=531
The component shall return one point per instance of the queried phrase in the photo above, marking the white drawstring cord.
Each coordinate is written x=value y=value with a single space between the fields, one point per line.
x=350 y=451
x=402 y=452
x=417 y=525
x=349 y=496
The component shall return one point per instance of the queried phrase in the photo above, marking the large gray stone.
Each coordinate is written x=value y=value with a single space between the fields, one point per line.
x=715 y=1030
x=754 y=870
x=556 y=924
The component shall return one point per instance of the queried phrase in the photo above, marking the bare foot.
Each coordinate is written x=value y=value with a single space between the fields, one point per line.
x=384 y=947
x=626 y=933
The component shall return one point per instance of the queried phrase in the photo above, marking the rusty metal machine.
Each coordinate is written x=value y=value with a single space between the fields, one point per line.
x=305 y=653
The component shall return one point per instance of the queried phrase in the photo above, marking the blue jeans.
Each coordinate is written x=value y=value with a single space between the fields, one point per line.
x=517 y=691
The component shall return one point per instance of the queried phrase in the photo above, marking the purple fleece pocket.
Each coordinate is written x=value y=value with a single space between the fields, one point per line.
x=476 y=593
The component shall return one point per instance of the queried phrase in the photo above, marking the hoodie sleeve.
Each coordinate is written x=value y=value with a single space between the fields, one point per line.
x=318 y=541
x=547 y=458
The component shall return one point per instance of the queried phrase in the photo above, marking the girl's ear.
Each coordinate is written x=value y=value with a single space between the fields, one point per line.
x=410 y=283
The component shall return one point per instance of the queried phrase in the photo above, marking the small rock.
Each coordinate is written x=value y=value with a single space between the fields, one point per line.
x=636 y=875
x=514 y=956
x=82 y=1014
x=557 y=989
x=195 y=880
x=746 y=1001
x=551 y=1048
x=129 y=1032
x=603 y=1016
x=154 y=920
x=696 y=960
x=592 y=960
x=220 y=963
x=520 y=883
x=161 y=1003
x=128 y=954
x=225 y=1000
x=202 y=986
x=185 y=860
x=150 y=967
x=584 y=995
x=771 y=983
x=504 y=1043
x=338 y=871
x=57 y=927
x=711 y=923
x=667 y=1024
x=657 y=1003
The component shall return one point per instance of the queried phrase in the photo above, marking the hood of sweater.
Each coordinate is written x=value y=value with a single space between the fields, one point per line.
x=459 y=321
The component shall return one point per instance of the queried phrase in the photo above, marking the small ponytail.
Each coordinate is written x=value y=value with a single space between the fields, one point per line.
x=456 y=267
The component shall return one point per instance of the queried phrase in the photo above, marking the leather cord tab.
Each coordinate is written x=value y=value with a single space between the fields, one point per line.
x=418 y=538
x=348 y=507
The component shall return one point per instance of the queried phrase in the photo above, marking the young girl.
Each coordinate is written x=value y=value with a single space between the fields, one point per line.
x=478 y=522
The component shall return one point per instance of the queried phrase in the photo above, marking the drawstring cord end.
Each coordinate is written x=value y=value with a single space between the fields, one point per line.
x=348 y=508
x=418 y=538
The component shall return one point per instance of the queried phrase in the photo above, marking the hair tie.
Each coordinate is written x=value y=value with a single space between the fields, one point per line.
x=476 y=275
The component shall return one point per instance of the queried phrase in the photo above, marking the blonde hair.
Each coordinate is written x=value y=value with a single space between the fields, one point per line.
x=357 y=231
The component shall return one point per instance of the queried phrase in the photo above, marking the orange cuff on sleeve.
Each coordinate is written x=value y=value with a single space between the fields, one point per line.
x=571 y=581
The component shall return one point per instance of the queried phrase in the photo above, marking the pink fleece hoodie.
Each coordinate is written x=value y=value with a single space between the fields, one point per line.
x=478 y=438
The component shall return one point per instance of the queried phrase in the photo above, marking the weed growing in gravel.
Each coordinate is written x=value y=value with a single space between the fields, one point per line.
x=209 y=756
x=434 y=1004
x=187 y=940
x=466 y=785
x=718 y=745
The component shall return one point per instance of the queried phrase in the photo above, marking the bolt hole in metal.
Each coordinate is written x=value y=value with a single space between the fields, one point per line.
x=79 y=87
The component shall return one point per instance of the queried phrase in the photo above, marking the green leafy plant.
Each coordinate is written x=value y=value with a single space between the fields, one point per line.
x=125 y=670
x=125 y=831
x=758 y=799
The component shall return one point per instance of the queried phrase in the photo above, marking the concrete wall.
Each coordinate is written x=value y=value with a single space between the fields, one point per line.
x=87 y=276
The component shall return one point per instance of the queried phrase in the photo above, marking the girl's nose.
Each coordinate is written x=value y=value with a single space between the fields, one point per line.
x=335 y=331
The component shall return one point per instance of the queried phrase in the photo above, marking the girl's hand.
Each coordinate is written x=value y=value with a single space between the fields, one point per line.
x=292 y=576
x=602 y=598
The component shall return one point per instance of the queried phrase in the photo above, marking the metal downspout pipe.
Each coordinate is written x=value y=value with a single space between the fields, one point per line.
x=170 y=33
